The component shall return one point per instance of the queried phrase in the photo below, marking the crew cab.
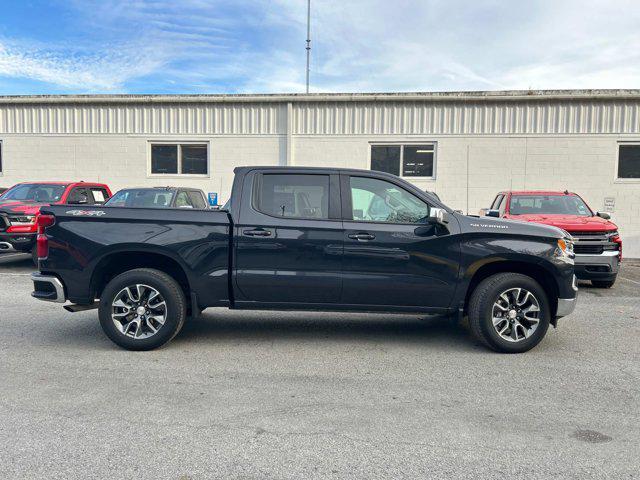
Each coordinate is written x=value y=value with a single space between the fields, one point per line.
x=305 y=239
x=598 y=246
x=21 y=204
x=159 y=197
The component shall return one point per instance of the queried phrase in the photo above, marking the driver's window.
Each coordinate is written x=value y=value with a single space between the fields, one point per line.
x=374 y=200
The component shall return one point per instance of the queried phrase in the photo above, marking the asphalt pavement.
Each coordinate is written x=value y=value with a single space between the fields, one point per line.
x=318 y=395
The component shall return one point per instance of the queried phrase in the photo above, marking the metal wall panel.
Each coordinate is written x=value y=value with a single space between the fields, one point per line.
x=196 y=119
x=467 y=118
x=471 y=117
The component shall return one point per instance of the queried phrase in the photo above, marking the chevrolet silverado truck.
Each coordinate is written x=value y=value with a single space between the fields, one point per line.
x=315 y=239
x=21 y=204
x=598 y=246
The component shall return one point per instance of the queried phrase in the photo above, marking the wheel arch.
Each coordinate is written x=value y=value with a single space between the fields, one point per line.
x=534 y=270
x=115 y=263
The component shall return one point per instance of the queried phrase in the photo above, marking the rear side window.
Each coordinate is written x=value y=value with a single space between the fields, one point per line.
x=100 y=195
x=197 y=200
x=496 y=202
x=293 y=196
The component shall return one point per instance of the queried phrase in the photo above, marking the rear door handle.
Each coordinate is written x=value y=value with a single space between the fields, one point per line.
x=258 y=232
x=362 y=237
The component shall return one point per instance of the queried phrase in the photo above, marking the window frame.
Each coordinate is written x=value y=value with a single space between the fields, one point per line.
x=411 y=143
x=178 y=144
x=2 y=158
x=257 y=186
x=347 y=205
x=617 y=178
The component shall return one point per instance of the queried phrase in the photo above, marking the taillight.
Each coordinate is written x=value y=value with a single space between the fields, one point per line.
x=42 y=242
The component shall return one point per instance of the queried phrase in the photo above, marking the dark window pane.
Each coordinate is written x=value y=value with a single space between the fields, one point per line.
x=197 y=200
x=164 y=159
x=629 y=161
x=386 y=159
x=298 y=196
x=194 y=159
x=417 y=161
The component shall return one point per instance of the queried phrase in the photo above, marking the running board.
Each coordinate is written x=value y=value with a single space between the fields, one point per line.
x=81 y=308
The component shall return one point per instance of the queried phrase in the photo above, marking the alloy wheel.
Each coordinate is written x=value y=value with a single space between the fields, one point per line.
x=138 y=311
x=516 y=314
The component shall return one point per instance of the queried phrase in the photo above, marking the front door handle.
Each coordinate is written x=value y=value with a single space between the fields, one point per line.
x=258 y=232
x=362 y=237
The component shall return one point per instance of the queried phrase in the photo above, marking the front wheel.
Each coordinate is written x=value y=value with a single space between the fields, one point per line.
x=142 y=309
x=509 y=312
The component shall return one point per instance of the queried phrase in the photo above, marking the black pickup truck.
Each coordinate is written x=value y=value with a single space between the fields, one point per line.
x=306 y=239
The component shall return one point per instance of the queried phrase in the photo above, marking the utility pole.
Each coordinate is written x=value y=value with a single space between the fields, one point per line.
x=308 y=39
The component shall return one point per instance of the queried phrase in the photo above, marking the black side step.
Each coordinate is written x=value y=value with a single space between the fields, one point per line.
x=81 y=308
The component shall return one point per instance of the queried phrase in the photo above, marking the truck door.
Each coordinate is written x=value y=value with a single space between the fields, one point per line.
x=288 y=240
x=391 y=257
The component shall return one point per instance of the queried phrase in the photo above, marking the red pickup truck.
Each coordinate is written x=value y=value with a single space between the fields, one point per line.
x=598 y=247
x=20 y=205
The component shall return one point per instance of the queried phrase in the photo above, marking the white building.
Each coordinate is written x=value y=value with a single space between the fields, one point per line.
x=465 y=146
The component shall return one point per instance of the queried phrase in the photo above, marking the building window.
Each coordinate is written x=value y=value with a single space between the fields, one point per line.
x=179 y=159
x=0 y=157
x=404 y=160
x=629 y=161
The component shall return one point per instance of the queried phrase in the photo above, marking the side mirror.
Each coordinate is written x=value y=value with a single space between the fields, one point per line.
x=604 y=215
x=437 y=216
x=493 y=213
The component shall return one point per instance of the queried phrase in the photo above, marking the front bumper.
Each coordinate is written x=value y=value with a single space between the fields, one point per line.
x=22 y=242
x=48 y=288
x=603 y=266
x=566 y=306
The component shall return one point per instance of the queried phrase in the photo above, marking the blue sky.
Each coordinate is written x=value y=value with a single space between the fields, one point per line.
x=253 y=46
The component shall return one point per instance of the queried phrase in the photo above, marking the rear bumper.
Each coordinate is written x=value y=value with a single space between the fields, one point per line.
x=48 y=288
x=566 y=306
x=603 y=266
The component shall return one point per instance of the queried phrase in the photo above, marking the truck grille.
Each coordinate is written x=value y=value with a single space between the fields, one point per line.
x=592 y=243
x=588 y=249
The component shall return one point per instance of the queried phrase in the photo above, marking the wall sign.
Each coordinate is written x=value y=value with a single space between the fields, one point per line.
x=610 y=204
x=213 y=199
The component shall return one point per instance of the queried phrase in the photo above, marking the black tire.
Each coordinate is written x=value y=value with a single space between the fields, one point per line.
x=603 y=283
x=481 y=306
x=176 y=308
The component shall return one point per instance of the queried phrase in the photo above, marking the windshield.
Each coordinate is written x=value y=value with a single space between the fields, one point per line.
x=549 y=205
x=142 y=198
x=34 y=192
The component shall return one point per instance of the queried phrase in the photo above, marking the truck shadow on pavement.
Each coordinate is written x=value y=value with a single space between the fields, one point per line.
x=318 y=328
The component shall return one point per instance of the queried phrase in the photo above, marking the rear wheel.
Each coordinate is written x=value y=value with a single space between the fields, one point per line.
x=142 y=309
x=509 y=312
x=603 y=283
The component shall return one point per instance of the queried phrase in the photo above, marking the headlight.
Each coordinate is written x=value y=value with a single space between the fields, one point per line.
x=22 y=221
x=565 y=250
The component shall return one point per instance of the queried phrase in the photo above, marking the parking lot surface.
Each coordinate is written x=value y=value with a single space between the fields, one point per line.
x=316 y=395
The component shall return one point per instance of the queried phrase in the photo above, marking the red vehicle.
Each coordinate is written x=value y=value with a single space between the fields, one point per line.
x=20 y=205
x=598 y=247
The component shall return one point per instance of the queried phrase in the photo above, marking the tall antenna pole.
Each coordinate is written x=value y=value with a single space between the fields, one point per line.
x=308 y=39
